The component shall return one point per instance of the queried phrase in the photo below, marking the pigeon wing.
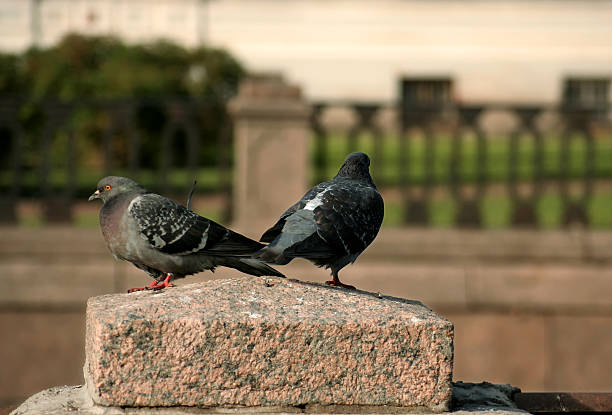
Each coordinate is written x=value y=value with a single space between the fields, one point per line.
x=277 y=228
x=348 y=218
x=173 y=229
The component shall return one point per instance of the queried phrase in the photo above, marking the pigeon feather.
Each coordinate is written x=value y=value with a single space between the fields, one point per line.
x=163 y=238
x=332 y=224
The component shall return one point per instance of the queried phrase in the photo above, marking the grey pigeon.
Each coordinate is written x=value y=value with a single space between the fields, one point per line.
x=165 y=239
x=332 y=224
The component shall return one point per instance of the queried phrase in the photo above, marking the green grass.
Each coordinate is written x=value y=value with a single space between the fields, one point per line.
x=496 y=212
x=549 y=210
x=387 y=168
x=600 y=211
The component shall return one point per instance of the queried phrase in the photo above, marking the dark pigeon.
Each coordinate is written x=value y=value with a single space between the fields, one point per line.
x=332 y=224
x=165 y=239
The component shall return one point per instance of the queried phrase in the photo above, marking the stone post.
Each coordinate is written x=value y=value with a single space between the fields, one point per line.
x=271 y=133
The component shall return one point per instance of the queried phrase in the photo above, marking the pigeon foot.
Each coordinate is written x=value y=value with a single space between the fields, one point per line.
x=340 y=284
x=160 y=286
x=148 y=287
x=155 y=285
x=335 y=282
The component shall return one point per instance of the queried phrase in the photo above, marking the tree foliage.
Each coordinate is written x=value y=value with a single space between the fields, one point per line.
x=104 y=67
x=83 y=69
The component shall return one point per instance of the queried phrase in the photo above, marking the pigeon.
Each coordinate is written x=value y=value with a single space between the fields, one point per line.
x=332 y=224
x=167 y=240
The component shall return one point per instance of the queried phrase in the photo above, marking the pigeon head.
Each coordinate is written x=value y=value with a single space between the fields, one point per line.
x=355 y=166
x=112 y=186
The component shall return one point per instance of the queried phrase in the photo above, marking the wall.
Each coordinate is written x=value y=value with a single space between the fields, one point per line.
x=530 y=308
x=515 y=50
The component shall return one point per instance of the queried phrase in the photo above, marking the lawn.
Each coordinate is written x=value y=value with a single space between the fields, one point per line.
x=497 y=212
x=387 y=166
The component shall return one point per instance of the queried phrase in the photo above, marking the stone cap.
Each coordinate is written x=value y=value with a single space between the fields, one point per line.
x=269 y=96
x=268 y=86
x=266 y=342
x=268 y=299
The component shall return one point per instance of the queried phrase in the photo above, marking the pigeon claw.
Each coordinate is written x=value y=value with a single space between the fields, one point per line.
x=340 y=284
x=335 y=282
x=155 y=285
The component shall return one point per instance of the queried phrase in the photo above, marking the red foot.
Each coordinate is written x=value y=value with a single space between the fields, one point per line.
x=336 y=283
x=155 y=285
x=148 y=287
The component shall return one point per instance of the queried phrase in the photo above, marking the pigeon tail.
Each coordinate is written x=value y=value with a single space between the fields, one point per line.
x=273 y=232
x=251 y=266
x=272 y=254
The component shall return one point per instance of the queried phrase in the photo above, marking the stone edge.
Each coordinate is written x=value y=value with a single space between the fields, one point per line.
x=75 y=400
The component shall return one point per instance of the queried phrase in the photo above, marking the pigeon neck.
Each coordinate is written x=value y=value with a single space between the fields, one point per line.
x=123 y=197
x=353 y=173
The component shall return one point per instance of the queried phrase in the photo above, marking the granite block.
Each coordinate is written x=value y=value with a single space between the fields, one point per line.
x=266 y=342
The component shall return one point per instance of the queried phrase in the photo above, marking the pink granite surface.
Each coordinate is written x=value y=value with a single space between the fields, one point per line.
x=266 y=342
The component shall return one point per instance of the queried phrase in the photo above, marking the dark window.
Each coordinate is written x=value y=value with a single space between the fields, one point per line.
x=590 y=94
x=426 y=92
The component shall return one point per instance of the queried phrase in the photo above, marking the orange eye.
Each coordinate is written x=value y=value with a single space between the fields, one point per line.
x=107 y=187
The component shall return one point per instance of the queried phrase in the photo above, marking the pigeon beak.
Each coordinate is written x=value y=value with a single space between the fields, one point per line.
x=96 y=195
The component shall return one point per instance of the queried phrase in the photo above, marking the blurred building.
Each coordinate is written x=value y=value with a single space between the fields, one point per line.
x=510 y=50
x=24 y=23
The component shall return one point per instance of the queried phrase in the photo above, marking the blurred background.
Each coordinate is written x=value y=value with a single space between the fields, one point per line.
x=488 y=124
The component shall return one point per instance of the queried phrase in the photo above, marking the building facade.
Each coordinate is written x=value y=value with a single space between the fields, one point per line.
x=506 y=50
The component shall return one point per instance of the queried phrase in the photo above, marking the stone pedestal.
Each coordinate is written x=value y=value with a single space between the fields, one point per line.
x=271 y=134
x=256 y=342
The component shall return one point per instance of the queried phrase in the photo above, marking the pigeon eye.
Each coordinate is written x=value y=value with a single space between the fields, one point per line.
x=107 y=187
